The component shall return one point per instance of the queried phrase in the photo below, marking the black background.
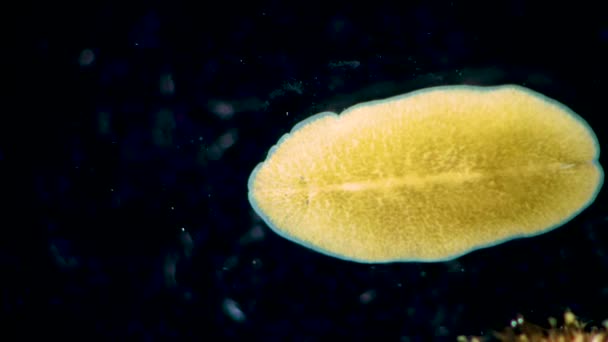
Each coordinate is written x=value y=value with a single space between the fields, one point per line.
x=130 y=129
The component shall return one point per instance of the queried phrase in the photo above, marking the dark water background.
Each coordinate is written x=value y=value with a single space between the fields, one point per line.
x=129 y=131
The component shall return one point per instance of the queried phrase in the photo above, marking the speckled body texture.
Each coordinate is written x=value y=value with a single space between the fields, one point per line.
x=429 y=175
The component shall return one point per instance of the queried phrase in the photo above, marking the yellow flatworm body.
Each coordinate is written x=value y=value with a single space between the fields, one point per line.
x=429 y=175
